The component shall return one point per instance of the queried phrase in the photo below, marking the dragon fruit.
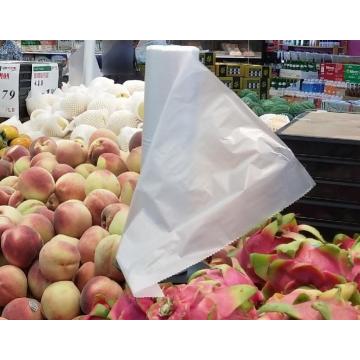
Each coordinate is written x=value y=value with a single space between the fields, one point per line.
x=282 y=230
x=302 y=262
x=339 y=303
x=205 y=301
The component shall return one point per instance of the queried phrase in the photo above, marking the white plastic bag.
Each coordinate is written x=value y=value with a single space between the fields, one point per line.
x=213 y=171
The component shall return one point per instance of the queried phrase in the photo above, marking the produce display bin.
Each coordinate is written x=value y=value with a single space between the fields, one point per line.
x=328 y=145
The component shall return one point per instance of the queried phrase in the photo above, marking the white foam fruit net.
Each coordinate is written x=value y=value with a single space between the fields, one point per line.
x=126 y=133
x=73 y=105
x=120 y=119
x=134 y=85
x=95 y=118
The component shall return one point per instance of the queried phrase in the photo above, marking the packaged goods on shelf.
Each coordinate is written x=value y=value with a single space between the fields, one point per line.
x=332 y=71
x=352 y=73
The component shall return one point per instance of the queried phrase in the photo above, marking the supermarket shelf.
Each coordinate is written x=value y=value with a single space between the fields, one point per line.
x=52 y=52
x=237 y=57
x=312 y=47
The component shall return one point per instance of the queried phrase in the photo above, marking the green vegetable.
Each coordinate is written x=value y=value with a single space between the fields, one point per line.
x=244 y=92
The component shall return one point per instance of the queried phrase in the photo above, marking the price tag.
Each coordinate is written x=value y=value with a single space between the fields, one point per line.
x=44 y=78
x=9 y=89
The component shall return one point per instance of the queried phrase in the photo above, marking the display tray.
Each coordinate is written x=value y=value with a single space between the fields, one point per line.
x=329 y=229
x=332 y=169
x=324 y=134
x=327 y=210
x=347 y=192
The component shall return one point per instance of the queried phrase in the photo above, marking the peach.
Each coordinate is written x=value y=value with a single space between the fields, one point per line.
x=8 y=181
x=99 y=289
x=96 y=202
x=22 y=309
x=5 y=223
x=59 y=260
x=70 y=186
x=21 y=245
x=118 y=222
x=41 y=156
x=128 y=181
x=36 y=183
x=29 y=206
x=84 y=274
x=105 y=255
x=136 y=140
x=100 y=146
x=61 y=301
x=43 y=144
x=48 y=164
x=111 y=162
x=37 y=281
x=102 y=179
x=52 y=202
x=88 y=242
x=6 y=168
x=133 y=161
x=49 y=214
x=109 y=212
x=85 y=169
x=15 y=199
x=41 y=224
x=13 y=214
x=21 y=165
x=72 y=153
x=5 y=194
x=124 y=155
x=13 y=284
x=60 y=170
x=72 y=218
x=102 y=133
x=15 y=152
x=69 y=239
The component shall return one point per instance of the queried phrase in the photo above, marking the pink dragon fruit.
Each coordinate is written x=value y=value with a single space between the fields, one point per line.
x=282 y=230
x=205 y=301
x=225 y=275
x=302 y=262
x=344 y=241
x=311 y=304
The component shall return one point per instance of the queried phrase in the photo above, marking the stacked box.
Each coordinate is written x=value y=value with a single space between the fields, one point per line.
x=227 y=80
x=251 y=84
x=251 y=71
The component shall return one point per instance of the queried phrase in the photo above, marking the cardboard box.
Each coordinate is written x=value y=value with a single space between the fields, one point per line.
x=352 y=73
x=227 y=80
x=251 y=84
x=334 y=72
x=251 y=71
x=226 y=69
x=208 y=58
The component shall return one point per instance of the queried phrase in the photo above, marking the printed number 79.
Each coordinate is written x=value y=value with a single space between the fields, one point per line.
x=11 y=94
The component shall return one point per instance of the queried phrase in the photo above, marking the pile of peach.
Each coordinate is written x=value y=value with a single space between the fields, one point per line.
x=63 y=208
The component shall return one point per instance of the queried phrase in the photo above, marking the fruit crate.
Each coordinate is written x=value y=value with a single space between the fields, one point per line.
x=328 y=145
